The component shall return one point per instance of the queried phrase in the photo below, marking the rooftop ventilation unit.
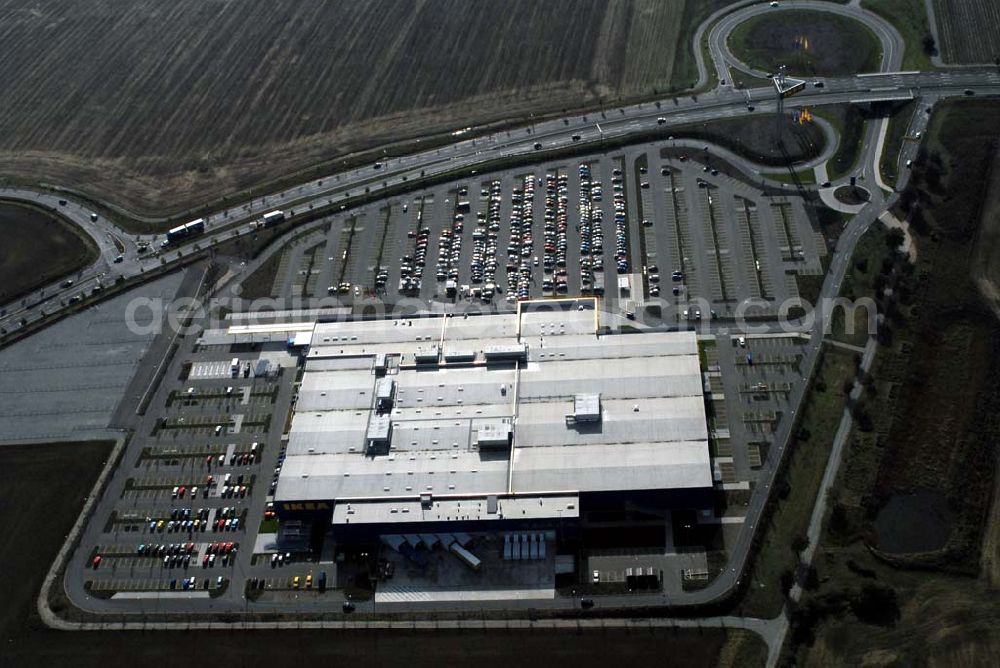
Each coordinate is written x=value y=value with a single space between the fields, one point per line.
x=494 y=434
x=514 y=351
x=385 y=394
x=428 y=355
x=586 y=408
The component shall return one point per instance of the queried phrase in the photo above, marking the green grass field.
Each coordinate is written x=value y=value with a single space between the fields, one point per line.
x=38 y=248
x=849 y=124
x=894 y=138
x=796 y=487
x=928 y=424
x=807 y=176
x=755 y=138
x=809 y=43
x=866 y=263
x=910 y=18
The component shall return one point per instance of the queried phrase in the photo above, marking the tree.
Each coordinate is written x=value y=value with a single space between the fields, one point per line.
x=839 y=523
x=918 y=221
x=811 y=582
x=799 y=543
x=894 y=239
x=876 y=604
x=907 y=200
x=786 y=581
x=930 y=46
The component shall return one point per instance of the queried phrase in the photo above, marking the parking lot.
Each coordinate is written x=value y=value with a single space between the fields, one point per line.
x=65 y=382
x=750 y=379
x=184 y=507
x=635 y=227
x=641 y=226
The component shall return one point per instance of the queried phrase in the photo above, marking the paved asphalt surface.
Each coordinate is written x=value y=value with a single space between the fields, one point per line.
x=468 y=155
x=472 y=154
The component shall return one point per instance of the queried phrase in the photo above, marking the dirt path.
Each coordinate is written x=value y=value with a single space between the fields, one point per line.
x=908 y=247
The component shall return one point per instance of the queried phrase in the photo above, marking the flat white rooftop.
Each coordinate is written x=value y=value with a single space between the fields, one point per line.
x=651 y=432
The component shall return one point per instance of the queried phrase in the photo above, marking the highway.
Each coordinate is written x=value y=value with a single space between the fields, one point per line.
x=587 y=132
x=472 y=154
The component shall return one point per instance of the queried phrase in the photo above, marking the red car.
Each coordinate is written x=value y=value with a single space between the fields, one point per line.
x=96 y=562
x=182 y=491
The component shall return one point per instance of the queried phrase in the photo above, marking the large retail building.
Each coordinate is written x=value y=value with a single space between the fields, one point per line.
x=491 y=422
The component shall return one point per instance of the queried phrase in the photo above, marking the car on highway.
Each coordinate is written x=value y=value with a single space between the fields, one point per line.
x=575 y=137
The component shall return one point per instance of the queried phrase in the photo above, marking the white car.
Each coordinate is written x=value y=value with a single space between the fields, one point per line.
x=597 y=576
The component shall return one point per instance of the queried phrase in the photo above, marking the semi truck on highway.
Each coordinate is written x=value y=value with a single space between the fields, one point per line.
x=272 y=218
x=181 y=232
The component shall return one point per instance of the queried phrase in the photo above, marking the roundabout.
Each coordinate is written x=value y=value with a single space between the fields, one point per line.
x=809 y=42
x=888 y=38
x=852 y=195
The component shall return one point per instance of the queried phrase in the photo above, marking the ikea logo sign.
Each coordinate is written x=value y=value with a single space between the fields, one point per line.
x=307 y=505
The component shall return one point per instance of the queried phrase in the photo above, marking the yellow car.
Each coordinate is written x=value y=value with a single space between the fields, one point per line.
x=309 y=581
x=295 y=582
